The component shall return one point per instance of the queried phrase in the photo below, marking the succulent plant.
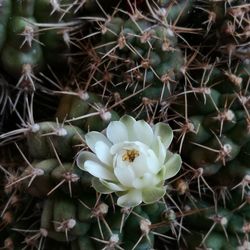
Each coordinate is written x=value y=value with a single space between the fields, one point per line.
x=142 y=75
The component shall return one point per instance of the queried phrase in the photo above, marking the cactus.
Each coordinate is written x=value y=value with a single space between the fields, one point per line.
x=26 y=41
x=185 y=63
x=132 y=54
x=213 y=132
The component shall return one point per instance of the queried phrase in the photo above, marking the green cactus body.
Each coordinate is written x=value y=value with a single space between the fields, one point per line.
x=185 y=63
x=73 y=107
x=5 y=10
x=26 y=46
x=135 y=55
x=21 y=53
x=82 y=243
x=217 y=126
x=50 y=134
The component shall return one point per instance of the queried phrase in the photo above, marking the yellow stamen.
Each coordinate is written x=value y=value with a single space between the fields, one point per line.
x=130 y=155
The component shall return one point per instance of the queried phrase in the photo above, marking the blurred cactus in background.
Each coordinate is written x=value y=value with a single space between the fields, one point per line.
x=92 y=94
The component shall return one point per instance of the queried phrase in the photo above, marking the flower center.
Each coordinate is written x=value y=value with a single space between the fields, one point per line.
x=130 y=155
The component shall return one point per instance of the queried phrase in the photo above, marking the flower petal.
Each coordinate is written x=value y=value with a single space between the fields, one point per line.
x=152 y=162
x=84 y=156
x=113 y=186
x=93 y=137
x=98 y=170
x=130 y=199
x=117 y=132
x=125 y=175
x=116 y=148
x=160 y=150
x=103 y=153
x=171 y=167
x=153 y=194
x=100 y=187
x=139 y=165
x=165 y=132
x=129 y=122
x=143 y=132
x=146 y=181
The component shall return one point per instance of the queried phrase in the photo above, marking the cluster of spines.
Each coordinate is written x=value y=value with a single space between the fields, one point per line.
x=213 y=129
x=204 y=81
x=35 y=42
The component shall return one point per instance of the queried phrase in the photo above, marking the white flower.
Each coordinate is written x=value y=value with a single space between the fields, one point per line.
x=132 y=160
